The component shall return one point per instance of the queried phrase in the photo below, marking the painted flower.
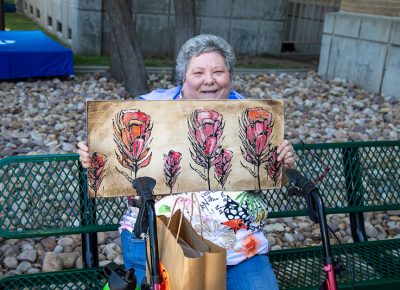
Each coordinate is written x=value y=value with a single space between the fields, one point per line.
x=205 y=135
x=97 y=171
x=223 y=166
x=172 y=168
x=132 y=131
x=255 y=131
x=273 y=166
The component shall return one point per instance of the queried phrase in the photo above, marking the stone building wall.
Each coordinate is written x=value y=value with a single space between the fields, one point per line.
x=364 y=48
x=253 y=27
x=374 y=7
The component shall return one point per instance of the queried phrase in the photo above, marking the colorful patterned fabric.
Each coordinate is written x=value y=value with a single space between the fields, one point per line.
x=232 y=220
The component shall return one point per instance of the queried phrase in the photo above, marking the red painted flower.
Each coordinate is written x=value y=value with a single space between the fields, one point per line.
x=132 y=131
x=255 y=131
x=273 y=166
x=97 y=171
x=223 y=166
x=172 y=168
x=205 y=131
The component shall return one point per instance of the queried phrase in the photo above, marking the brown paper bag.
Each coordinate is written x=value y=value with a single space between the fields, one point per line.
x=207 y=272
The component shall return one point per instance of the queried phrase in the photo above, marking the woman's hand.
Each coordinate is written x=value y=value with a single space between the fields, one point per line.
x=83 y=151
x=286 y=153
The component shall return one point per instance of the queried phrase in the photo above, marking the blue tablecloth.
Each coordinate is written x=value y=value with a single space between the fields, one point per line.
x=26 y=54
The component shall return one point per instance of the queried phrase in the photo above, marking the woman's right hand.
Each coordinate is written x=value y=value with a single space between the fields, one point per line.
x=83 y=151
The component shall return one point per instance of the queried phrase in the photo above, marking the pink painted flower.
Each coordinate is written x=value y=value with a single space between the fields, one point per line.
x=96 y=171
x=205 y=129
x=205 y=135
x=172 y=168
x=223 y=166
x=273 y=166
x=132 y=131
x=255 y=131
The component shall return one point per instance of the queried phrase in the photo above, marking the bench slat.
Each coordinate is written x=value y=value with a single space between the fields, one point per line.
x=375 y=262
x=46 y=194
x=65 y=280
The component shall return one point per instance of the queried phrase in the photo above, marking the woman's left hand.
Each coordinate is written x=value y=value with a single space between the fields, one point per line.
x=286 y=153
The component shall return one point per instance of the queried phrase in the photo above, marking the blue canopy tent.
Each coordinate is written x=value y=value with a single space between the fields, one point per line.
x=25 y=54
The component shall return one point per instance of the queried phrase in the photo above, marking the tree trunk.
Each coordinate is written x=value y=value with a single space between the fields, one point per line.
x=2 y=16
x=127 y=63
x=185 y=18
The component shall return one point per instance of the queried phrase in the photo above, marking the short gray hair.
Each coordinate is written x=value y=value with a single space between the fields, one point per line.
x=199 y=44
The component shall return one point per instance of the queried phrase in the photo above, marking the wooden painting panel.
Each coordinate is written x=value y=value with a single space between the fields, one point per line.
x=185 y=146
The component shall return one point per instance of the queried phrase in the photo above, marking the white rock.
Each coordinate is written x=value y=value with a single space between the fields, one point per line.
x=277 y=227
x=52 y=262
x=10 y=262
x=370 y=230
x=69 y=259
x=28 y=255
x=24 y=266
x=65 y=241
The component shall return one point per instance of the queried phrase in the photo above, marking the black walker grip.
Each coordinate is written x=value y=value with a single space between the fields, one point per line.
x=144 y=187
x=305 y=185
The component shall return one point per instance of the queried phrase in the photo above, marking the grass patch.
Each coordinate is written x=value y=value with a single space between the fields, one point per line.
x=80 y=59
x=159 y=62
x=17 y=21
x=262 y=62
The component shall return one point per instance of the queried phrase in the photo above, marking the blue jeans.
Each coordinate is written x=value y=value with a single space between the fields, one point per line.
x=134 y=254
x=253 y=274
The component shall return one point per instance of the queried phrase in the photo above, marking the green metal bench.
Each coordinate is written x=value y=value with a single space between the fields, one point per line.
x=364 y=177
x=46 y=196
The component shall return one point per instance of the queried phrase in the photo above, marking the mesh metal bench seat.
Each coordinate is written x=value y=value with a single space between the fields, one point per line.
x=374 y=264
x=93 y=278
x=363 y=177
x=46 y=196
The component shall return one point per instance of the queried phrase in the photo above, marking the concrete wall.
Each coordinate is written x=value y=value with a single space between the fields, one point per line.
x=55 y=16
x=76 y=23
x=375 y=7
x=363 y=48
x=253 y=27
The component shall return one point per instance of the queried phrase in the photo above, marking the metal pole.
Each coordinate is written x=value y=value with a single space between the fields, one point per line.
x=90 y=255
x=354 y=189
x=2 y=22
x=326 y=245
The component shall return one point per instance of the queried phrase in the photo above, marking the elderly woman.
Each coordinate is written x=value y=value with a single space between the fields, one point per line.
x=204 y=68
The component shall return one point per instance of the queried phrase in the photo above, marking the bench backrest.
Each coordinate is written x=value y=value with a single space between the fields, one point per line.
x=363 y=176
x=46 y=195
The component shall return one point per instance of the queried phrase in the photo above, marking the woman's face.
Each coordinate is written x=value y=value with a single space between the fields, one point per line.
x=207 y=77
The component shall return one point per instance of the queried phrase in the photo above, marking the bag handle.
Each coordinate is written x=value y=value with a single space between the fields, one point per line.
x=181 y=218
x=193 y=197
